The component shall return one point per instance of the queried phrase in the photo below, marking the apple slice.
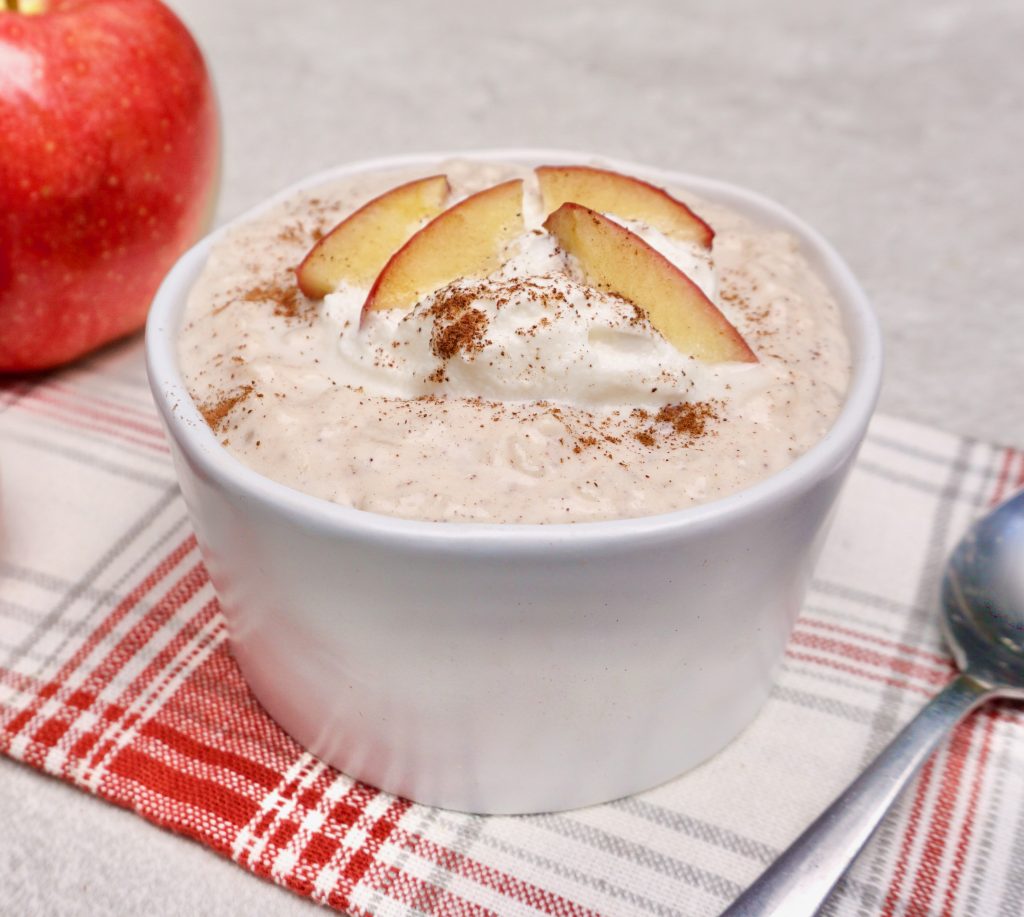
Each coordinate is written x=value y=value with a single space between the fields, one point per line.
x=360 y=245
x=615 y=259
x=464 y=241
x=626 y=197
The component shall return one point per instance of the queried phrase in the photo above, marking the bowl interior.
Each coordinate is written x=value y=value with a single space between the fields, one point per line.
x=193 y=436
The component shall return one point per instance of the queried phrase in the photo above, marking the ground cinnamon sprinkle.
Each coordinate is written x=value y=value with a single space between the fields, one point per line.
x=584 y=442
x=686 y=419
x=689 y=417
x=465 y=334
x=457 y=325
x=288 y=301
x=293 y=233
x=215 y=414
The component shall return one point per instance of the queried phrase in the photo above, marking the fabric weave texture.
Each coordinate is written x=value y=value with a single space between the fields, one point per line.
x=116 y=675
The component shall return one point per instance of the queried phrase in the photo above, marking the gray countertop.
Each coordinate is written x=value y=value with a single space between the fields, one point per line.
x=896 y=129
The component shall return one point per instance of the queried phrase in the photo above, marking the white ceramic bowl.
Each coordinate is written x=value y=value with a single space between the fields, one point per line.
x=512 y=668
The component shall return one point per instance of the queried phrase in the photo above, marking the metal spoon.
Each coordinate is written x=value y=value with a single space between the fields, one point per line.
x=983 y=622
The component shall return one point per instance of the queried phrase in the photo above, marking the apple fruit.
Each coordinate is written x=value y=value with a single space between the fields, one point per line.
x=466 y=240
x=360 y=245
x=615 y=259
x=111 y=149
x=625 y=196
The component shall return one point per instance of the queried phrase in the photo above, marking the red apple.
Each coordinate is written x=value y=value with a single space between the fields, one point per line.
x=110 y=150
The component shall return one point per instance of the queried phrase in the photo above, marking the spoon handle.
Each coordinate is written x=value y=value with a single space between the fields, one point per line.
x=800 y=880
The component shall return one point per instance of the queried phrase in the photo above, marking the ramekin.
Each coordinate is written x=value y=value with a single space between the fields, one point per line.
x=512 y=668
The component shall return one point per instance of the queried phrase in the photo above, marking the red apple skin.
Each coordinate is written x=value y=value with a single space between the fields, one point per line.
x=110 y=156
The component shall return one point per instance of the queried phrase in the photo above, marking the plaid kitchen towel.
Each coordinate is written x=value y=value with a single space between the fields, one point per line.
x=115 y=675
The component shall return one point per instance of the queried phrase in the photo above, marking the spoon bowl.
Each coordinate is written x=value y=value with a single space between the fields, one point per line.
x=983 y=599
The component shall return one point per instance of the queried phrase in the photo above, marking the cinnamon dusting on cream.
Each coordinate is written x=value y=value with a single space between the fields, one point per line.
x=457 y=326
x=216 y=413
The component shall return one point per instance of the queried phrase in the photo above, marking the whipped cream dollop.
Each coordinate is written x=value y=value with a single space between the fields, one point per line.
x=532 y=330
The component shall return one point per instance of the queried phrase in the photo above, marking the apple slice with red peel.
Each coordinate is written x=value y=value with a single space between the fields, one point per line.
x=625 y=196
x=361 y=244
x=464 y=241
x=615 y=259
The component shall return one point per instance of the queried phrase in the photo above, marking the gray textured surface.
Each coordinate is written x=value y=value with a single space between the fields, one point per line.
x=896 y=129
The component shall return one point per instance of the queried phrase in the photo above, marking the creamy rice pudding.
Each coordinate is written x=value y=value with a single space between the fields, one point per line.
x=554 y=381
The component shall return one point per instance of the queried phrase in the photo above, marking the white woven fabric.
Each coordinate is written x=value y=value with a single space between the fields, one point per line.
x=115 y=675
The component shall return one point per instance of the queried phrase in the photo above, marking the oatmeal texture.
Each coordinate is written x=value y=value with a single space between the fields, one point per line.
x=523 y=397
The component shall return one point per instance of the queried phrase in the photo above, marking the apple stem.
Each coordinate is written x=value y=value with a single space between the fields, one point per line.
x=23 y=6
